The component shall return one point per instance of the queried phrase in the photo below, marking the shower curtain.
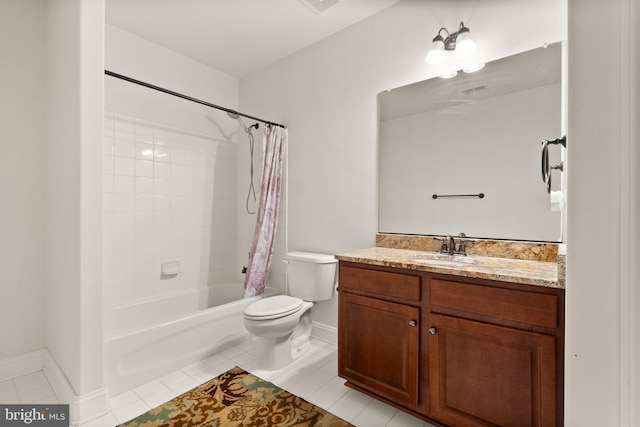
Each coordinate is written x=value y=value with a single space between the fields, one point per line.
x=273 y=148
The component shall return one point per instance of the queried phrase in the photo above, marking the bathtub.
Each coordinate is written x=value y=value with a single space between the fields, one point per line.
x=147 y=340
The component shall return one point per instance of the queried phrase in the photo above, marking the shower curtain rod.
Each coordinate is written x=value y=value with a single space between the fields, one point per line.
x=188 y=98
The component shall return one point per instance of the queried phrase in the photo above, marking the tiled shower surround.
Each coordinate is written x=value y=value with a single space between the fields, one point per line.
x=169 y=194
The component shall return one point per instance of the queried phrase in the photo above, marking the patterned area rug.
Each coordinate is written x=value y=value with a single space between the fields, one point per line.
x=240 y=399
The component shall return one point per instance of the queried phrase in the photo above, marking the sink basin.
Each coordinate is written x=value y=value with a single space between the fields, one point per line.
x=444 y=260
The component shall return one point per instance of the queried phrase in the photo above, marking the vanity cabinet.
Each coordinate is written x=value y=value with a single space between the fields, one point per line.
x=492 y=354
x=380 y=332
x=453 y=350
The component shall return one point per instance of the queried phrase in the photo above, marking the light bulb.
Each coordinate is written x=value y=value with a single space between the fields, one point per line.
x=448 y=74
x=464 y=44
x=473 y=68
x=436 y=52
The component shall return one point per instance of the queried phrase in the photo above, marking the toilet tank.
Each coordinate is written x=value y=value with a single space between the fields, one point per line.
x=311 y=276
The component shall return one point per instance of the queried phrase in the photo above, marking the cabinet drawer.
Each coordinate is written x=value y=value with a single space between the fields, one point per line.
x=521 y=306
x=382 y=283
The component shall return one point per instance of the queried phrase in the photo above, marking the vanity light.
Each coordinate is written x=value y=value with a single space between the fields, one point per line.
x=459 y=42
x=448 y=74
x=473 y=68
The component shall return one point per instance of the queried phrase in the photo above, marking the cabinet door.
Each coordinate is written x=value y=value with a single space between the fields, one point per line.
x=378 y=346
x=486 y=375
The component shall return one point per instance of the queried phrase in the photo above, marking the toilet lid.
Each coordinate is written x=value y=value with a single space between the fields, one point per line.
x=273 y=307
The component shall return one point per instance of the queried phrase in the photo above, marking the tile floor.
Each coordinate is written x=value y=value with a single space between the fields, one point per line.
x=313 y=377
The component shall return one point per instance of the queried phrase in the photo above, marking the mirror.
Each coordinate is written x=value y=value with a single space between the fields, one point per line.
x=475 y=133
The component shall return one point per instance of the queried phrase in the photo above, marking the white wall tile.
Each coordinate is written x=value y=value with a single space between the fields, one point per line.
x=124 y=220
x=107 y=145
x=162 y=136
x=123 y=202
x=144 y=168
x=144 y=237
x=107 y=164
x=162 y=153
x=143 y=129
x=159 y=198
x=123 y=239
x=143 y=219
x=144 y=203
x=123 y=184
x=143 y=150
x=123 y=257
x=162 y=236
x=144 y=185
x=143 y=290
x=178 y=156
x=162 y=187
x=123 y=148
x=123 y=166
x=144 y=254
x=162 y=170
x=123 y=276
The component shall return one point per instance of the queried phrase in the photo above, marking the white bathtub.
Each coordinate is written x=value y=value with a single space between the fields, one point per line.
x=147 y=340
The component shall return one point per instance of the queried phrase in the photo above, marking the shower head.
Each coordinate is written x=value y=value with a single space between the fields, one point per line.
x=237 y=117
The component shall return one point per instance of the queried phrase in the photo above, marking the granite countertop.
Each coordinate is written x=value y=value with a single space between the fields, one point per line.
x=528 y=272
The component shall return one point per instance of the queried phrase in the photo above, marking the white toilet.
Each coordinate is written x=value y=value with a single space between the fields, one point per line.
x=282 y=323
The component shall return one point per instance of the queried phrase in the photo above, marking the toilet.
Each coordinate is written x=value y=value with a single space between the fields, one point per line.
x=282 y=323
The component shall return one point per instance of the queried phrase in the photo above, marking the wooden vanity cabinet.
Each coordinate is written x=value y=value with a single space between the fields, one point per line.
x=481 y=353
x=495 y=353
x=379 y=333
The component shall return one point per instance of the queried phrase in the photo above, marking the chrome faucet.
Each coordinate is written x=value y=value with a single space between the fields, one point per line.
x=449 y=245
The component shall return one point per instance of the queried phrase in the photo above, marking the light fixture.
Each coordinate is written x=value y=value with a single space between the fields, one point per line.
x=473 y=68
x=459 y=42
x=448 y=74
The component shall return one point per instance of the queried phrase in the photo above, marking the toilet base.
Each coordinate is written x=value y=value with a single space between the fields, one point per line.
x=276 y=353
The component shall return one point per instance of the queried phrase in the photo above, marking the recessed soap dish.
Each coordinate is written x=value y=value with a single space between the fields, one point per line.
x=170 y=267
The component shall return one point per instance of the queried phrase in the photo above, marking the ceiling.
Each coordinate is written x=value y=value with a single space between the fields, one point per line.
x=237 y=37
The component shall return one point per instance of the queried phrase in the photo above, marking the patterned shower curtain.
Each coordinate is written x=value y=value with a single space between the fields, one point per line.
x=273 y=148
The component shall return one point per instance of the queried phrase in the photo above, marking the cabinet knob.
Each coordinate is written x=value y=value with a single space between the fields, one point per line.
x=432 y=330
x=412 y=323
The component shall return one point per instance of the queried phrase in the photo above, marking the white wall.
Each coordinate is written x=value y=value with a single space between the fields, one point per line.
x=602 y=364
x=165 y=68
x=22 y=144
x=74 y=104
x=327 y=95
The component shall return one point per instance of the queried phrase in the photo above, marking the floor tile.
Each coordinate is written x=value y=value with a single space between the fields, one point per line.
x=8 y=392
x=159 y=398
x=402 y=419
x=314 y=376
x=123 y=399
x=130 y=411
x=346 y=409
x=368 y=418
x=30 y=382
x=152 y=387
x=200 y=372
x=107 y=420
x=184 y=385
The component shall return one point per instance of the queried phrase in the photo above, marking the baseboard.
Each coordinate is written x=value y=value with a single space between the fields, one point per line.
x=325 y=333
x=82 y=408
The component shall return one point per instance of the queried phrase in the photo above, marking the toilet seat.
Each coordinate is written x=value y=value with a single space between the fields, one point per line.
x=273 y=307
